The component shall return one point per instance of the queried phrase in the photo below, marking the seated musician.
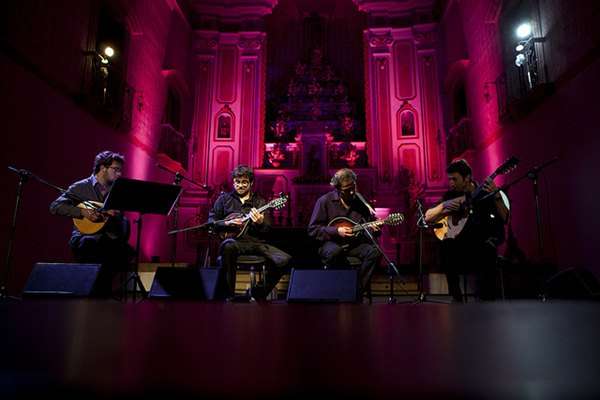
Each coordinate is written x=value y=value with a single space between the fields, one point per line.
x=337 y=242
x=241 y=201
x=474 y=249
x=108 y=246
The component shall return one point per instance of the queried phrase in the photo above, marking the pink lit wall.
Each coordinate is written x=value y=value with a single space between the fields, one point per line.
x=563 y=125
x=229 y=73
x=47 y=132
x=402 y=77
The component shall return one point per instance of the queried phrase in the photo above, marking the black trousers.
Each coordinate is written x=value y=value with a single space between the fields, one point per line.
x=334 y=255
x=230 y=249
x=469 y=257
x=113 y=254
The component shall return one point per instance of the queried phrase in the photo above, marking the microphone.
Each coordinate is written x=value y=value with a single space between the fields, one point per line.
x=22 y=172
x=361 y=198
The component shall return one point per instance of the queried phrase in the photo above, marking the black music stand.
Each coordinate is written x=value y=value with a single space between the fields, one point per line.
x=145 y=198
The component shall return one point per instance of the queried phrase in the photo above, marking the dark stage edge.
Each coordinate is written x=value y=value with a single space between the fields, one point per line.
x=172 y=349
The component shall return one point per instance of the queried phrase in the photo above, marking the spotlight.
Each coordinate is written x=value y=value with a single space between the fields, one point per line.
x=109 y=51
x=524 y=30
x=520 y=60
x=519 y=47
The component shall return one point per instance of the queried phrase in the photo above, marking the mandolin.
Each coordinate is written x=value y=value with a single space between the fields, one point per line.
x=392 y=219
x=239 y=231
x=452 y=225
x=86 y=226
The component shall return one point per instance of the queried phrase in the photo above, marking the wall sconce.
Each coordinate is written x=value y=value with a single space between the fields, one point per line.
x=104 y=57
x=526 y=57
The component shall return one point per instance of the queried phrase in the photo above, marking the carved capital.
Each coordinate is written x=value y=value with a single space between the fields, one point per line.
x=250 y=44
x=381 y=40
x=425 y=39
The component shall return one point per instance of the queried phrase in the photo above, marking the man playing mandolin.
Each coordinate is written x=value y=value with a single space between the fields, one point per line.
x=340 y=240
x=98 y=236
x=236 y=218
x=475 y=217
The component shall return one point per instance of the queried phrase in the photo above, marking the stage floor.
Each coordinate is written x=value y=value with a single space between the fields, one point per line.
x=82 y=348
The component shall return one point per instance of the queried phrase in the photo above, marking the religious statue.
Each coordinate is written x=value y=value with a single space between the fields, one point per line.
x=276 y=156
x=347 y=125
x=350 y=156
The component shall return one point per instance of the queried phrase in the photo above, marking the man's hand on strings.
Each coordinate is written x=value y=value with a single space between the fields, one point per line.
x=453 y=205
x=376 y=227
x=92 y=215
x=489 y=186
x=256 y=217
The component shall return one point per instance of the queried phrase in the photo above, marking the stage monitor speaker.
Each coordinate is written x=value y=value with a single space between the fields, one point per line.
x=60 y=279
x=572 y=283
x=187 y=283
x=327 y=286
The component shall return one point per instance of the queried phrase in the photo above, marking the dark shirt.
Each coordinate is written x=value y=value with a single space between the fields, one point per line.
x=484 y=222
x=229 y=203
x=328 y=207
x=88 y=189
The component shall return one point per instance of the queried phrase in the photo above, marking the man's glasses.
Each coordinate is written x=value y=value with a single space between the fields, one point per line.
x=348 y=189
x=241 y=183
x=116 y=169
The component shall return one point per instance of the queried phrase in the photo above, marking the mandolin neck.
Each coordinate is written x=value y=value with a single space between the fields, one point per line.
x=360 y=227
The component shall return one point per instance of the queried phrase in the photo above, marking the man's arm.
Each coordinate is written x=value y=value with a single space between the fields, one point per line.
x=261 y=221
x=501 y=208
x=438 y=212
x=65 y=204
x=217 y=213
x=317 y=226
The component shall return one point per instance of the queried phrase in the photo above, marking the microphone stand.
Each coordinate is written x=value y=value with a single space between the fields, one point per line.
x=391 y=267
x=532 y=175
x=421 y=226
x=24 y=176
x=177 y=178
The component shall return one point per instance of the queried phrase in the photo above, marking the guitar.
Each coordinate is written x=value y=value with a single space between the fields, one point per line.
x=239 y=231
x=452 y=225
x=392 y=219
x=86 y=226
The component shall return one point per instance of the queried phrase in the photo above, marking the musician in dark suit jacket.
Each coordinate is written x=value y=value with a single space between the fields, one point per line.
x=339 y=242
x=474 y=249
x=109 y=246
x=242 y=200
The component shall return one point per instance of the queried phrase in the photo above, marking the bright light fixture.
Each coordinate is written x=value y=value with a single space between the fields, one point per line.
x=520 y=60
x=524 y=30
x=109 y=51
